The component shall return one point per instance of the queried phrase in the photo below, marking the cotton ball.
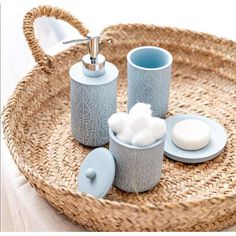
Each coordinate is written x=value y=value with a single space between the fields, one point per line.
x=158 y=127
x=140 y=108
x=118 y=121
x=125 y=136
x=143 y=138
x=139 y=122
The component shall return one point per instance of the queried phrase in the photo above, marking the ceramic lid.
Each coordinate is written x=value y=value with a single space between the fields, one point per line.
x=216 y=145
x=97 y=173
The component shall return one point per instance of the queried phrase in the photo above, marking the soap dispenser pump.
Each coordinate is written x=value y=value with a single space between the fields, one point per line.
x=93 y=95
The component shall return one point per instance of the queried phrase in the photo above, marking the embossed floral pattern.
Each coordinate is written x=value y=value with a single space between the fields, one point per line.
x=137 y=170
x=91 y=106
x=149 y=86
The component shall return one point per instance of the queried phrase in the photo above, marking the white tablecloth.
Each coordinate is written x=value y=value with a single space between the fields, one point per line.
x=22 y=208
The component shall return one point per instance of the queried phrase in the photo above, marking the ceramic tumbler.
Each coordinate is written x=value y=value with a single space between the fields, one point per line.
x=149 y=78
x=138 y=169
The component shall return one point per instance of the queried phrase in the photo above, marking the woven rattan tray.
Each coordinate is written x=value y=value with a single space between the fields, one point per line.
x=36 y=124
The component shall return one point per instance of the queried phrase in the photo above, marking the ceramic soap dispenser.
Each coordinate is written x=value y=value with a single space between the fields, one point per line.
x=93 y=94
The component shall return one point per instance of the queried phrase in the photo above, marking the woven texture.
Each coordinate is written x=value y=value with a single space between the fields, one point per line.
x=36 y=124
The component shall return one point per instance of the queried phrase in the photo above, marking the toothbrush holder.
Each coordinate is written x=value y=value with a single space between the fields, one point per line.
x=149 y=78
x=138 y=169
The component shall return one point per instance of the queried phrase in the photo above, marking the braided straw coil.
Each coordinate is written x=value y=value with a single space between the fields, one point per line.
x=36 y=124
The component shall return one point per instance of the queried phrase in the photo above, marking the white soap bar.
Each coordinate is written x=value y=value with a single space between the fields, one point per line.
x=191 y=134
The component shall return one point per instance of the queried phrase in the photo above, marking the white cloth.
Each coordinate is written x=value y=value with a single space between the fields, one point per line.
x=24 y=209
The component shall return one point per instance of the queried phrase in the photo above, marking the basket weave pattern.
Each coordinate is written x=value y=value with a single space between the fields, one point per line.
x=36 y=124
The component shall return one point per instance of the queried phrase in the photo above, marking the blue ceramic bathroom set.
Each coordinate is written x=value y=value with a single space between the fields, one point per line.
x=93 y=94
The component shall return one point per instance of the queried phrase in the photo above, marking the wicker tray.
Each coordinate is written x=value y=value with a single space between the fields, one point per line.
x=36 y=125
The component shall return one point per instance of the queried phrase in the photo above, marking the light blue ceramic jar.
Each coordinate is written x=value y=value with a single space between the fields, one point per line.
x=138 y=169
x=149 y=78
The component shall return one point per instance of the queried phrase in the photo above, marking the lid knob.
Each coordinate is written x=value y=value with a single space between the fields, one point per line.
x=90 y=173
